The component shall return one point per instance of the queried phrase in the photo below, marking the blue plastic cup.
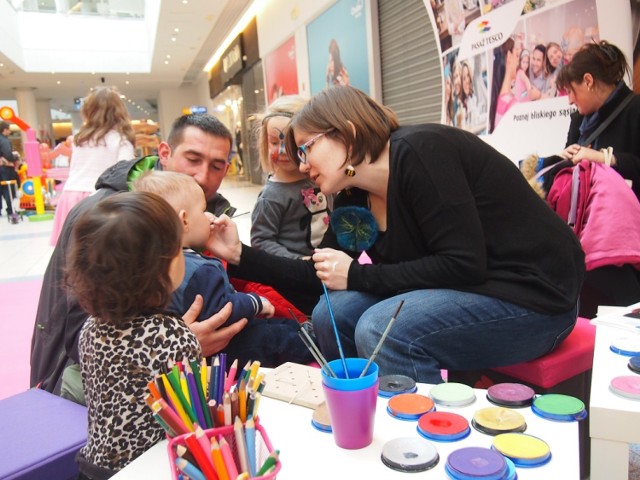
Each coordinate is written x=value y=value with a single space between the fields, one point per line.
x=354 y=367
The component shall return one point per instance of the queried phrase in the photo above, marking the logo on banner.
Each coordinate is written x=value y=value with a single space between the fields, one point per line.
x=483 y=26
x=490 y=30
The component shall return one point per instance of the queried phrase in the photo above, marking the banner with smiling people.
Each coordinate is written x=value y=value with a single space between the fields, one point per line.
x=500 y=59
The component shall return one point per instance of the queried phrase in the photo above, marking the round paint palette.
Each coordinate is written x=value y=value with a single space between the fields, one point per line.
x=510 y=395
x=409 y=406
x=628 y=346
x=524 y=450
x=561 y=408
x=391 y=385
x=409 y=454
x=627 y=386
x=479 y=463
x=497 y=420
x=634 y=364
x=443 y=426
x=452 y=394
x=320 y=418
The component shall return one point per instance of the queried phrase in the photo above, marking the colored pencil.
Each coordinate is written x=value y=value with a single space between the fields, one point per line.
x=218 y=460
x=205 y=444
x=201 y=392
x=231 y=376
x=201 y=456
x=241 y=447
x=226 y=405
x=169 y=417
x=242 y=373
x=189 y=469
x=227 y=455
x=195 y=396
x=242 y=400
x=214 y=379
x=250 y=434
x=269 y=463
x=176 y=403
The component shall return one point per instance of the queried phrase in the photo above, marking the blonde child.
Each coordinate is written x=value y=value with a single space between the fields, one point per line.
x=271 y=341
x=291 y=215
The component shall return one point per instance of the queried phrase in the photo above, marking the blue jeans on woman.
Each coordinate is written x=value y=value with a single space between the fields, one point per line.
x=437 y=329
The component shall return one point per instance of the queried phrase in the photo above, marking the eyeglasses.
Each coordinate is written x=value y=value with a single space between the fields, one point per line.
x=302 y=149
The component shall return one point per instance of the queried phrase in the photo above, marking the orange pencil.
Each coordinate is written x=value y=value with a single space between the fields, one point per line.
x=242 y=400
x=154 y=390
x=218 y=461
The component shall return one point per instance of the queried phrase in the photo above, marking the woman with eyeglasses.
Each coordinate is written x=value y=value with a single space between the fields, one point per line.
x=489 y=275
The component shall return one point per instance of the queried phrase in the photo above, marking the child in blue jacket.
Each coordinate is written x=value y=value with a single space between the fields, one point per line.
x=269 y=340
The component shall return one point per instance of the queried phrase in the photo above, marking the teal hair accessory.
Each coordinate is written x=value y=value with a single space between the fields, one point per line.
x=355 y=228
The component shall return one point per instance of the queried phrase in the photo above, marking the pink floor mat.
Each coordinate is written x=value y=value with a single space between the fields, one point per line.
x=18 y=305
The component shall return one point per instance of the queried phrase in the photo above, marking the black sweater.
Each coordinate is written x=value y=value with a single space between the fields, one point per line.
x=459 y=215
x=621 y=134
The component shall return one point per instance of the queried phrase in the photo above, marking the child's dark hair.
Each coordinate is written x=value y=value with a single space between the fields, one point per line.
x=121 y=250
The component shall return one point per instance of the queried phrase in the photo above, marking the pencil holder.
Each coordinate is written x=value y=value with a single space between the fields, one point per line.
x=263 y=448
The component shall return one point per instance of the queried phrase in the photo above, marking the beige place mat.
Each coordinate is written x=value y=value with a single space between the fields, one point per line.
x=295 y=383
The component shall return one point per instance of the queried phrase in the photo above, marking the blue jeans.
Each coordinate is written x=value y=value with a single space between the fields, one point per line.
x=437 y=329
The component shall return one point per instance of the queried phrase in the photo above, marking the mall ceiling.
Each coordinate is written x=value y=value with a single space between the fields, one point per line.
x=202 y=26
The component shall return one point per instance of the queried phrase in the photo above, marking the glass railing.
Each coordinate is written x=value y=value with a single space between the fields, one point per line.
x=105 y=8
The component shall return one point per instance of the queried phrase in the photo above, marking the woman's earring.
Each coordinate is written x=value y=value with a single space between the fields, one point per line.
x=350 y=171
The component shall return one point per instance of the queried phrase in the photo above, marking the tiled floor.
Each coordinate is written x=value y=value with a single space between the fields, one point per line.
x=25 y=249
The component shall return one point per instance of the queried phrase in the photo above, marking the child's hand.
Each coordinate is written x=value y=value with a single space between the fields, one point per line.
x=267 y=308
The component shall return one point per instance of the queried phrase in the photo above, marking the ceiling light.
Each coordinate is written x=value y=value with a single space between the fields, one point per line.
x=173 y=39
x=168 y=56
x=58 y=82
x=176 y=29
x=127 y=82
x=256 y=7
x=166 y=62
x=184 y=2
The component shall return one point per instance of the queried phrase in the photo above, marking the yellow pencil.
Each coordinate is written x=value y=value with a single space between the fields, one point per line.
x=257 y=381
x=254 y=372
x=176 y=403
x=185 y=388
x=204 y=377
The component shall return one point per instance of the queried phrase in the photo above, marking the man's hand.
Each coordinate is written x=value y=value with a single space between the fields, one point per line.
x=212 y=338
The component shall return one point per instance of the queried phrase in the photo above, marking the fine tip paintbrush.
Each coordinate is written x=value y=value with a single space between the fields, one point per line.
x=335 y=330
x=381 y=341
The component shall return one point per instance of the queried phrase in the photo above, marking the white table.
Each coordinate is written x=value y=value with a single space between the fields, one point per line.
x=615 y=421
x=308 y=453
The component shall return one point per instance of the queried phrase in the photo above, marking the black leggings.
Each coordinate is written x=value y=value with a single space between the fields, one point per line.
x=609 y=285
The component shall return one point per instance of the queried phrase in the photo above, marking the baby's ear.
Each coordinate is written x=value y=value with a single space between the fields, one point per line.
x=184 y=219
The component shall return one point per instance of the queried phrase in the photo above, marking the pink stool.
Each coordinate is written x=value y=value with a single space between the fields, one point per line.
x=566 y=370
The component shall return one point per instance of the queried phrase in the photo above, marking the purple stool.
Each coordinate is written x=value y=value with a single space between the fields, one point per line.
x=41 y=434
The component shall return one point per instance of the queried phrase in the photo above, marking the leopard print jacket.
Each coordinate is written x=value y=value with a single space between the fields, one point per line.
x=117 y=363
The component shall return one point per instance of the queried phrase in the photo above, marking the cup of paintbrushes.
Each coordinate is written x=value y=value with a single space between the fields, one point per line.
x=351 y=401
